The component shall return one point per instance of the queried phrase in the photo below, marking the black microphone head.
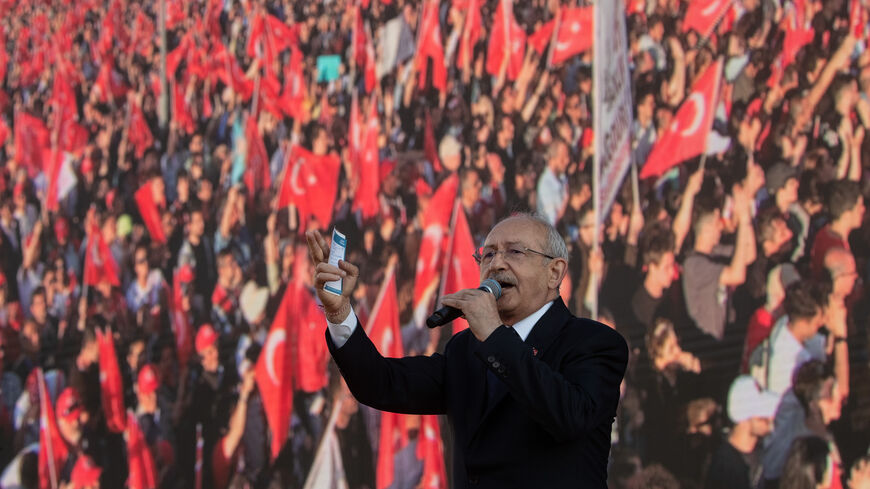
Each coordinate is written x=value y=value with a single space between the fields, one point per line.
x=492 y=287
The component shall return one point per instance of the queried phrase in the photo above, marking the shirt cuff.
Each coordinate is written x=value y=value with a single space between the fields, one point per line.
x=341 y=332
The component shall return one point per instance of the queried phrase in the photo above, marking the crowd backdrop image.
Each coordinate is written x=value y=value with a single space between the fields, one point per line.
x=162 y=160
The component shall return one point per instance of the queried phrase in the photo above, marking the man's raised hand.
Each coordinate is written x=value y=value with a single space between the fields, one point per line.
x=336 y=307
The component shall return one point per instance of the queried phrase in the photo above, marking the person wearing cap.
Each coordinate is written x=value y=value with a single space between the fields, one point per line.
x=808 y=408
x=154 y=420
x=735 y=464
x=211 y=387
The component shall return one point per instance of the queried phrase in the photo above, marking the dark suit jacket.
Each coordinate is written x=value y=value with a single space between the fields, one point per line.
x=550 y=423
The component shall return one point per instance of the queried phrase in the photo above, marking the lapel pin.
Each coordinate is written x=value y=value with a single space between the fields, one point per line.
x=534 y=351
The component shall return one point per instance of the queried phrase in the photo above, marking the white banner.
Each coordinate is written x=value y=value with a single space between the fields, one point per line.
x=611 y=103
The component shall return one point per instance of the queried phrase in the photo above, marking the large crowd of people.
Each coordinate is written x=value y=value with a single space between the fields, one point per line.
x=171 y=242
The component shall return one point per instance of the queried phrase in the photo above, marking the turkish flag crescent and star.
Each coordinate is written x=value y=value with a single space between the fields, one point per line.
x=687 y=136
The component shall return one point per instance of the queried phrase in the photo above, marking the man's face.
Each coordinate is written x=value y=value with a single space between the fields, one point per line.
x=134 y=355
x=141 y=263
x=210 y=359
x=781 y=234
x=562 y=158
x=663 y=271
x=37 y=308
x=197 y=224
x=528 y=280
x=789 y=193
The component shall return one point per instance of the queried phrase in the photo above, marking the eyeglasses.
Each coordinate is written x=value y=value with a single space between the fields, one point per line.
x=484 y=256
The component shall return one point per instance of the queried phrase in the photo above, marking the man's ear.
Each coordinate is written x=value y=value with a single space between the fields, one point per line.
x=557 y=270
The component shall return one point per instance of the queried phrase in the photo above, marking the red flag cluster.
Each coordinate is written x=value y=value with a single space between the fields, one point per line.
x=507 y=42
x=310 y=183
x=687 y=135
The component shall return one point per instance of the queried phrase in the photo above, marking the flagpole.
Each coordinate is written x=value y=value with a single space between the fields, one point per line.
x=596 y=166
x=163 y=100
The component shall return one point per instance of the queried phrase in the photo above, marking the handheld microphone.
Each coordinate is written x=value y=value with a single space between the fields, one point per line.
x=446 y=314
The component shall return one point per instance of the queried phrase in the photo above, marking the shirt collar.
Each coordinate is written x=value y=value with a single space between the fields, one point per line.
x=524 y=326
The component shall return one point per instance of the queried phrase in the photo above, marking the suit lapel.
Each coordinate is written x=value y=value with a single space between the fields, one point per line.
x=541 y=337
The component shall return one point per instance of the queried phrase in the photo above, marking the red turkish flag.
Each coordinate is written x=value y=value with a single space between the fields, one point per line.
x=227 y=69
x=99 y=262
x=385 y=333
x=358 y=38
x=506 y=36
x=687 y=136
x=61 y=177
x=142 y=470
x=431 y=47
x=366 y=198
x=257 y=174
x=436 y=222
x=255 y=35
x=73 y=137
x=470 y=33
x=143 y=35
x=703 y=15
x=575 y=33
x=430 y=450
x=310 y=354
x=180 y=321
x=430 y=148
x=174 y=57
x=541 y=37
x=139 y=134
x=181 y=108
x=63 y=99
x=274 y=372
x=310 y=182
x=53 y=451
x=151 y=201
x=111 y=389
x=31 y=137
x=109 y=82
x=281 y=35
x=462 y=271
x=293 y=93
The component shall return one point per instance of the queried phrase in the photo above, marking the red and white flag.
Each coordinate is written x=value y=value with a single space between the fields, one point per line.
x=31 y=136
x=507 y=38
x=274 y=372
x=575 y=33
x=142 y=470
x=99 y=263
x=293 y=93
x=111 y=388
x=703 y=15
x=139 y=133
x=430 y=450
x=384 y=332
x=61 y=178
x=151 y=202
x=436 y=223
x=462 y=271
x=53 y=451
x=431 y=47
x=366 y=198
x=687 y=135
x=310 y=183
x=858 y=19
